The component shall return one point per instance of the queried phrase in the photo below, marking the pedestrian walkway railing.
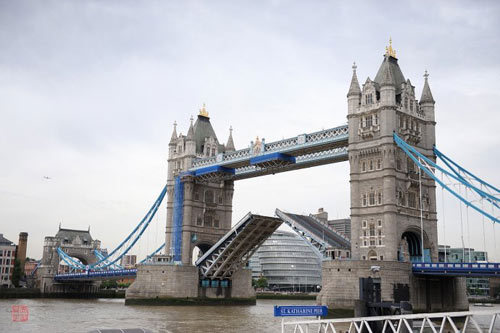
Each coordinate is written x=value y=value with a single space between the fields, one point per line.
x=467 y=321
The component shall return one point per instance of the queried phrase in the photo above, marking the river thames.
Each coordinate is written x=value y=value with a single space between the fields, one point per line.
x=56 y=315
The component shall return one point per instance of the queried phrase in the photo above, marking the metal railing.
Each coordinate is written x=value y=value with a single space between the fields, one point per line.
x=474 y=321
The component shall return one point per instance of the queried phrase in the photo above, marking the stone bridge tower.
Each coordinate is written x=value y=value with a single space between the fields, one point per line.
x=76 y=243
x=385 y=187
x=206 y=205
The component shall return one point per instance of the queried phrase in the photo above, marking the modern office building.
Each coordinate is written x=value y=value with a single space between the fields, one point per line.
x=475 y=286
x=288 y=263
x=128 y=261
x=7 y=258
x=342 y=226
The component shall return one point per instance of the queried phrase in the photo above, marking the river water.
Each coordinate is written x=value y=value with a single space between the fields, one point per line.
x=56 y=315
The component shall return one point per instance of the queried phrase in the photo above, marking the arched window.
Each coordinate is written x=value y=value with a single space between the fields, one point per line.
x=209 y=197
x=372 y=230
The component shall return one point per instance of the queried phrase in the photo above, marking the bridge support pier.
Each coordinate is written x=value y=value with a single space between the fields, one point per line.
x=167 y=284
x=342 y=286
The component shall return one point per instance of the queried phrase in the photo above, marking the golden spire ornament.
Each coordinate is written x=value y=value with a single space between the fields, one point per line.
x=389 y=51
x=203 y=111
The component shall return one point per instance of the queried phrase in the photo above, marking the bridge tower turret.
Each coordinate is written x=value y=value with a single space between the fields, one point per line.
x=204 y=207
x=385 y=186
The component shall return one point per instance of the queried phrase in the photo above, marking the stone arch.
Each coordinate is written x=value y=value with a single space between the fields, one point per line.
x=372 y=255
x=199 y=249
x=410 y=247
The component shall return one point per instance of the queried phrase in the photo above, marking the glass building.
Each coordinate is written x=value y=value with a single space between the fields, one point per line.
x=475 y=286
x=288 y=263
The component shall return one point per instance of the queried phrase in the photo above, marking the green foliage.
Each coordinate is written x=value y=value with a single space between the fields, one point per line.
x=108 y=284
x=261 y=282
x=16 y=273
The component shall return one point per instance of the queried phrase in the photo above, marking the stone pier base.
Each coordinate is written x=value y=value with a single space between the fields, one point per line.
x=166 y=284
x=341 y=286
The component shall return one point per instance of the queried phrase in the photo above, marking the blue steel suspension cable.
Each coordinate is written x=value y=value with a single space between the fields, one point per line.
x=146 y=224
x=444 y=157
x=406 y=148
x=148 y=215
x=152 y=254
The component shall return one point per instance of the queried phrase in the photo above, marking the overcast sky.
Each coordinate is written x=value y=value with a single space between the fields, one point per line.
x=89 y=91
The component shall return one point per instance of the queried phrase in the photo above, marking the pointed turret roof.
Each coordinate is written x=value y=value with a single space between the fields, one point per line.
x=426 y=92
x=190 y=134
x=230 y=142
x=354 y=89
x=203 y=129
x=174 y=134
x=389 y=72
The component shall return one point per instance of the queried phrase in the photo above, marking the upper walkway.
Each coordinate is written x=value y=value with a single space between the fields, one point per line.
x=302 y=151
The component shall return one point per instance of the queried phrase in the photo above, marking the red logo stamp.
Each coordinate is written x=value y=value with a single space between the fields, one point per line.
x=20 y=313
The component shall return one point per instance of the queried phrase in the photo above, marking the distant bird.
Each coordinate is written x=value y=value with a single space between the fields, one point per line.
x=46 y=177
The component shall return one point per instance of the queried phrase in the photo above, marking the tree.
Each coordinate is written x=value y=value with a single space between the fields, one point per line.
x=16 y=273
x=261 y=282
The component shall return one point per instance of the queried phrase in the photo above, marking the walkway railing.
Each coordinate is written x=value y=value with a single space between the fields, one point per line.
x=475 y=321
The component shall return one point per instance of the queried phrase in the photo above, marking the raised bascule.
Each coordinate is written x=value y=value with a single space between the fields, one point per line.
x=389 y=142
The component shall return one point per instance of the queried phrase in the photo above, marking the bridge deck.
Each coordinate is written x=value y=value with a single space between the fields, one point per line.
x=457 y=269
x=322 y=235
x=235 y=248
x=96 y=275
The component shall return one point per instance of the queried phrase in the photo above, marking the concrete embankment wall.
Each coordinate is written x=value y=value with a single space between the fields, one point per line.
x=36 y=293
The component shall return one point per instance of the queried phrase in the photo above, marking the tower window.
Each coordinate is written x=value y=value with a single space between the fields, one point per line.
x=375 y=119
x=379 y=222
x=406 y=102
x=369 y=121
x=412 y=200
x=379 y=198
x=209 y=197
x=371 y=165
x=372 y=198
x=364 y=223
x=372 y=230
x=363 y=203
x=199 y=222
x=379 y=164
x=363 y=166
x=369 y=99
x=208 y=221
x=213 y=151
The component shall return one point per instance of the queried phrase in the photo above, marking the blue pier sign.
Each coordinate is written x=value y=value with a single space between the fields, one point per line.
x=300 y=311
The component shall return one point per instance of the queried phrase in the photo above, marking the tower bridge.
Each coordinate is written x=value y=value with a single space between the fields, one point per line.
x=390 y=145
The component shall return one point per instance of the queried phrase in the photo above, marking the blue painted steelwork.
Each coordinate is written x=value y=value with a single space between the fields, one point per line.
x=101 y=256
x=272 y=157
x=452 y=165
x=152 y=254
x=417 y=157
x=327 y=146
x=176 y=249
x=69 y=260
x=106 y=262
x=96 y=275
x=456 y=269
x=213 y=169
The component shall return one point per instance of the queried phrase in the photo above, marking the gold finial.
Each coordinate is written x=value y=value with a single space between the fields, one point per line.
x=389 y=51
x=203 y=111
